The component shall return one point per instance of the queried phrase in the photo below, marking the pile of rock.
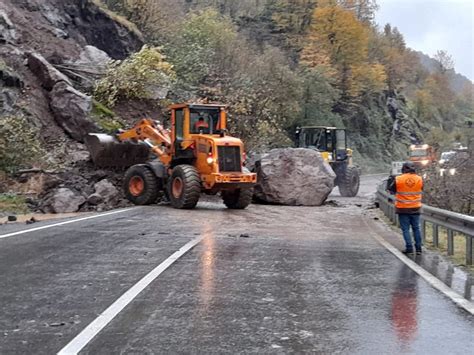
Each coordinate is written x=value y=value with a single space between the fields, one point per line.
x=78 y=190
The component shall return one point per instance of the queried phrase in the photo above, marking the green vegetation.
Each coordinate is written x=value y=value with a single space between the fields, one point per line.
x=284 y=63
x=106 y=118
x=459 y=244
x=20 y=144
x=133 y=77
x=13 y=204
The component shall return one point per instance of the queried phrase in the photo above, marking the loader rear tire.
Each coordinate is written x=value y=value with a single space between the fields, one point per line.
x=349 y=182
x=140 y=185
x=184 y=187
x=237 y=199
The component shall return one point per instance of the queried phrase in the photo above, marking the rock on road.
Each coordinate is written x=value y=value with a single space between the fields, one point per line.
x=269 y=279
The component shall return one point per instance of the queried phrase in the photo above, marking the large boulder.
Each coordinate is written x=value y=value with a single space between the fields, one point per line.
x=64 y=200
x=293 y=176
x=48 y=75
x=71 y=109
x=93 y=56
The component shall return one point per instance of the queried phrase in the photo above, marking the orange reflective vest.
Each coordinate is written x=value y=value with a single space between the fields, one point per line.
x=409 y=191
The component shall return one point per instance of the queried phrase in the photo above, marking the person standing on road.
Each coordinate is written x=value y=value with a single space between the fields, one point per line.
x=408 y=191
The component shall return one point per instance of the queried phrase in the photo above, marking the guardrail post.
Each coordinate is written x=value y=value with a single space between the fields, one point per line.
x=423 y=230
x=469 y=249
x=450 y=242
x=435 y=235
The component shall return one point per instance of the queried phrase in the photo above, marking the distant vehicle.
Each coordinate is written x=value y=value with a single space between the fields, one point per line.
x=449 y=161
x=446 y=157
x=422 y=155
x=331 y=142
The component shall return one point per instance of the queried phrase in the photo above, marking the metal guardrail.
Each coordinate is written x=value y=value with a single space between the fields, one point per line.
x=438 y=218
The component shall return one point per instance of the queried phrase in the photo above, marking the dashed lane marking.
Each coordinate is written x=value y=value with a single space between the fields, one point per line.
x=84 y=337
x=63 y=223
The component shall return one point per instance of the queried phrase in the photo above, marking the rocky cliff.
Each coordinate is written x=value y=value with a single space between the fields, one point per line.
x=39 y=40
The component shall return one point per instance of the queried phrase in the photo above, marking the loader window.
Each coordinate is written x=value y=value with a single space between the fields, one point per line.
x=340 y=139
x=205 y=121
x=179 y=124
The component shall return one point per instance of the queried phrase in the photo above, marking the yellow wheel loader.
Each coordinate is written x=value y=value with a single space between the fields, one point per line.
x=195 y=156
x=331 y=142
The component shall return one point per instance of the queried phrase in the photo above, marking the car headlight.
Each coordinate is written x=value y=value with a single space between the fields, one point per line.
x=442 y=161
x=452 y=171
x=424 y=162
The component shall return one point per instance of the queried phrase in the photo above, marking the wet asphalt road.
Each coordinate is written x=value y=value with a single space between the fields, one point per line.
x=270 y=279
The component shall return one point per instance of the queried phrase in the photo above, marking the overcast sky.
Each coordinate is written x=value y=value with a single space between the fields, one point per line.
x=429 y=25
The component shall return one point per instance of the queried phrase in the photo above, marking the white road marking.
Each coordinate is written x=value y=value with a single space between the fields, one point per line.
x=63 y=223
x=432 y=280
x=84 y=337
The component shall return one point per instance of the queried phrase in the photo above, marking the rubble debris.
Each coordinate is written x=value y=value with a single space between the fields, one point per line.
x=107 y=191
x=31 y=220
x=64 y=200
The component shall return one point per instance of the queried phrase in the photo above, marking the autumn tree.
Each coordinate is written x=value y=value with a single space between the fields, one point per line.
x=364 y=10
x=338 y=36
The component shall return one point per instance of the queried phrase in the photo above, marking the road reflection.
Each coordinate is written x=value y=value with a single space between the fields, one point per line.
x=207 y=268
x=405 y=306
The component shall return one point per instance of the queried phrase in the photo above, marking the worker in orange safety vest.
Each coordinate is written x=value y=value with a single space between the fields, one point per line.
x=408 y=191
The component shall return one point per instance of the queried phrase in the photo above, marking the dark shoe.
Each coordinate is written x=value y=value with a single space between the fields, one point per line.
x=418 y=251
x=408 y=251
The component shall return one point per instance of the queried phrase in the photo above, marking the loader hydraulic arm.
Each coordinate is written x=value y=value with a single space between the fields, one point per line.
x=155 y=136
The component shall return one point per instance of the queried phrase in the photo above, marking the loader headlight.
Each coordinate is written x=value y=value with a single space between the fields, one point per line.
x=210 y=160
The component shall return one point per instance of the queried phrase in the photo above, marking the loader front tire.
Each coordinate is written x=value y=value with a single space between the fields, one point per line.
x=184 y=187
x=237 y=199
x=349 y=182
x=140 y=185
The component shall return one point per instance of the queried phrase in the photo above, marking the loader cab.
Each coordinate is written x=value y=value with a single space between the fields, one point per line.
x=330 y=141
x=190 y=121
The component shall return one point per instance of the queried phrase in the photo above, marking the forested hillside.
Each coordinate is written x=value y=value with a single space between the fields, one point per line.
x=284 y=63
x=69 y=68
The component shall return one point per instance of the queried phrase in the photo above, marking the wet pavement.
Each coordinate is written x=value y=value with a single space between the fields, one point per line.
x=270 y=279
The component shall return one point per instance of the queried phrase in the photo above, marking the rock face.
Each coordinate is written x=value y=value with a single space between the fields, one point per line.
x=71 y=110
x=293 y=176
x=64 y=201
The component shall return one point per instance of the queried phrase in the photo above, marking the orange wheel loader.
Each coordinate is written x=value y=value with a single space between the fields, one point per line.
x=196 y=156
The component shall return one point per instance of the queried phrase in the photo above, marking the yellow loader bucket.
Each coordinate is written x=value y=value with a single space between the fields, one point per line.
x=107 y=151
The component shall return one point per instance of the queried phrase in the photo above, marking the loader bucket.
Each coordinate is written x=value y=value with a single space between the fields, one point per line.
x=107 y=151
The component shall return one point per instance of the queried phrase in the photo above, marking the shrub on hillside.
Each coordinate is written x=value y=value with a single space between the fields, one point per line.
x=19 y=142
x=133 y=77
